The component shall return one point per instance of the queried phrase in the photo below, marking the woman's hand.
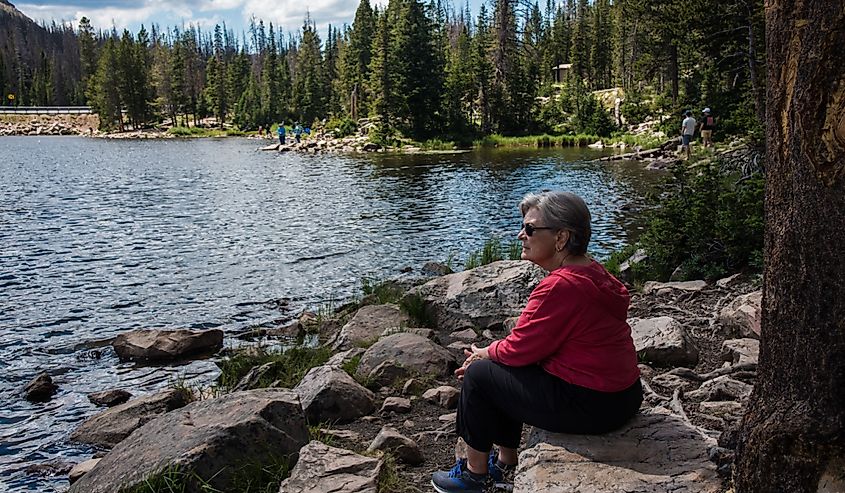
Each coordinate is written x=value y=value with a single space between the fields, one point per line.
x=474 y=353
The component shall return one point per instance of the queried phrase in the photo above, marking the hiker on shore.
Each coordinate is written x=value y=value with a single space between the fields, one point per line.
x=708 y=124
x=297 y=132
x=569 y=365
x=687 y=132
x=281 y=132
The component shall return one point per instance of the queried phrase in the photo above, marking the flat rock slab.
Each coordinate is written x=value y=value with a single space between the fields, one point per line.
x=109 y=427
x=212 y=438
x=166 y=345
x=325 y=469
x=654 y=453
x=667 y=287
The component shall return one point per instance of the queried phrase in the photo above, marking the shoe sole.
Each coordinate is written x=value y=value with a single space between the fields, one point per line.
x=504 y=487
x=439 y=489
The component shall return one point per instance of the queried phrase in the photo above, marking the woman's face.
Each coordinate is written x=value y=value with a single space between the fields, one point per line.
x=540 y=247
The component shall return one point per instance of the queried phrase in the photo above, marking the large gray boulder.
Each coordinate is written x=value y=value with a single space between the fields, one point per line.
x=329 y=394
x=368 y=323
x=413 y=352
x=663 y=341
x=654 y=453
x=212 y=439
x=742 y=316
x=325 y=469
x=165 y=345
x=110 y=427
x=482 y=297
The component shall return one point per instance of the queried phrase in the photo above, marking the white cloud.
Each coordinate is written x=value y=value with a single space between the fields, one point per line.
x=290 y=14
x=106 y=16
x=213 y=5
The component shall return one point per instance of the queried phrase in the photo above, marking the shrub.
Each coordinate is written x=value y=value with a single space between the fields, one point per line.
x=342 y=127
x=709 y=225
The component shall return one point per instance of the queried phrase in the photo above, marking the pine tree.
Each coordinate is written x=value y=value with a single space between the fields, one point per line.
x=460 y=87
x=482 y=70
x=105 y=88
x=601 y=53
x=237 y=79
x=418 y=82
x=215 y=89
x=87 y=52
x=580 y=50
x=354 y=66
x=380 y=86
x=309 y=83
x=178 y=83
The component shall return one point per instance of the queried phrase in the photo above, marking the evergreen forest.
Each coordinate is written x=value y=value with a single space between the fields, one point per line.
x=417 y=69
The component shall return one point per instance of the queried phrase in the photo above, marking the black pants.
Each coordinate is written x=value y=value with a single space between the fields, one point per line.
x=497 y=399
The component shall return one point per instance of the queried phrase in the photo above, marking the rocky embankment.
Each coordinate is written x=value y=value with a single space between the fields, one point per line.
x=49 y=125
x=389 y=389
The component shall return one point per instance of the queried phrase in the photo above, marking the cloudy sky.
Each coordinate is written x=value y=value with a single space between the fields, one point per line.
x=235 y=13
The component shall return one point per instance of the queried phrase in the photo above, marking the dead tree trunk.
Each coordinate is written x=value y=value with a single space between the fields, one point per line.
x=792 y=437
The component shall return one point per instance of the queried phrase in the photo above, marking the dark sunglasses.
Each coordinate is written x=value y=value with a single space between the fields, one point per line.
x=530 y=229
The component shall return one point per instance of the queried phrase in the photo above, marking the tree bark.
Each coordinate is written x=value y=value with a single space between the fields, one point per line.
x=792 y=437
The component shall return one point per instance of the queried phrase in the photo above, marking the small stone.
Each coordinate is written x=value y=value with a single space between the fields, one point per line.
x=464 y=335
x=350 y=435
x=41 y=388
x=408 y=424
x=81 y=469
x=109 y=398
x=406 y=450
x=412 y=386
x=447 y=418
x=396 y=405
x=727 y=281
x=741 y=351
x=443 y=396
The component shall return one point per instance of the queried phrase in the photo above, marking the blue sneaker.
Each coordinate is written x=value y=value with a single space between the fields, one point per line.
x=458 y=480
x=502 y=477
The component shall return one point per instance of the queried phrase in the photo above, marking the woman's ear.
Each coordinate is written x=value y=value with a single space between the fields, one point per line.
x=561 y=240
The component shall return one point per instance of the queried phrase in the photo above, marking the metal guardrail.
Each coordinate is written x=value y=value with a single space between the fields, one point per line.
x=45 y=110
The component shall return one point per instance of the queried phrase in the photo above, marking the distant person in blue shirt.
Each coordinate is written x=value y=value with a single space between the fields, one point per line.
x=281 y=132
x=297 y=132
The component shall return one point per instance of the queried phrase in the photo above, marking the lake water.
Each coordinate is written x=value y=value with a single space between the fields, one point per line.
x=98 y=237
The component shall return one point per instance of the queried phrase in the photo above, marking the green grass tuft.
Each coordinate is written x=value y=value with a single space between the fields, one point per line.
x=291 y=366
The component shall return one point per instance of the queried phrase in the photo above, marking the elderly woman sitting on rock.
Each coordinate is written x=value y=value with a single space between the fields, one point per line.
x=568 y=366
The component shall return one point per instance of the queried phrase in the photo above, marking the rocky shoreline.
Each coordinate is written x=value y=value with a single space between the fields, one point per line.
x=383 y=403
x=37 y=125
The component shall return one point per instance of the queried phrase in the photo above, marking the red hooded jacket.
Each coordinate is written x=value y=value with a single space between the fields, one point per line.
x=575 y=327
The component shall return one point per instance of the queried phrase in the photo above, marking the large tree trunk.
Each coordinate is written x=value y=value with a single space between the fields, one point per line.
x=792 y=437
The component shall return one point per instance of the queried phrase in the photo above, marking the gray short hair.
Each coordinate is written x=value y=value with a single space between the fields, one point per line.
x=562 y=210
